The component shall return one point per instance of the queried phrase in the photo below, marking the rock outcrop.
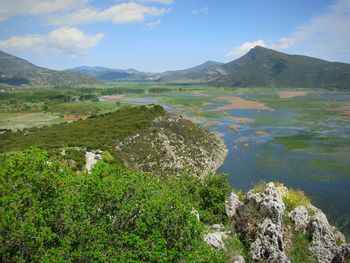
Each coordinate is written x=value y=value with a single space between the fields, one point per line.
x=324 y=245
x=170 y=145
x=232 y=204
x=266 y=222
x=300 y=217
x=261 y=221
x=215 y=240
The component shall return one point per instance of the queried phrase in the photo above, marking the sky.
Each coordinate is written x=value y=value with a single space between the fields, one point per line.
x=159 y=35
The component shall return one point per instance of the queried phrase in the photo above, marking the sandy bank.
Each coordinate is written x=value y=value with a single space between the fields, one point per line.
x=290 y=94
x=237 y=103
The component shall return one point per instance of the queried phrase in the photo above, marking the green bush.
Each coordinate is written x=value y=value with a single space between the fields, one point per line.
x=208 y=195
x=48 y=213
x=107 y=157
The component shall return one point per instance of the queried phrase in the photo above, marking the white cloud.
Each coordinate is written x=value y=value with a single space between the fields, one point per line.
x=119 y=14
x=154 y=24
x=284 y=42
x=203 y=10
x=244 y=48
x=65 y=39
x=165 y=2
x=327 y=34
x=10 y=8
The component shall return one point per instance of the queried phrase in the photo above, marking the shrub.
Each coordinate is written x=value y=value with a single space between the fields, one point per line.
x=107 y=157
x=207 y=195
x=49 y=214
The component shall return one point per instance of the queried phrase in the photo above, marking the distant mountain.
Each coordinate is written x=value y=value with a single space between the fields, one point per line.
x=196 y=69
x=266 y=67
x=17 y=71
x=203 y=72
x=109 y=74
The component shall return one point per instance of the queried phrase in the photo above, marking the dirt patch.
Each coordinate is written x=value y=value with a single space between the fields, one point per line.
x=261 y=133
x=345 y=109
x=237 y=103
x=290 y=94
x=211 y=123
x=234 y=127
x=112 y=97
x=242 y=120
x=75 y=117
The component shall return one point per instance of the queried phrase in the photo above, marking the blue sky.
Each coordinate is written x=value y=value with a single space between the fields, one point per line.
x=158 y=35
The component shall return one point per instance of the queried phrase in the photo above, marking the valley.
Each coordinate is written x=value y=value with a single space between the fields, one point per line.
x=295 y=136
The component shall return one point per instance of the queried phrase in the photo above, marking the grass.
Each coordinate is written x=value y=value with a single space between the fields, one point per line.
x=234 y=248
x=185 y=101
x=298 y=252
x=16 y=121
x=300 y=140
x=259 y=186
x=294 y=198
x=241 y=194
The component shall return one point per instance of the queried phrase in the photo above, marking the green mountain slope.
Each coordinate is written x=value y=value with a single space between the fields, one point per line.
x=112 y=75
x=205 y=72
x=17 y=71
x=266 y=67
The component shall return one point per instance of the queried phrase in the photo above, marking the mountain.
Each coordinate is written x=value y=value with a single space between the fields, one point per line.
x=196 y=69
x=17 y=71
x=203 y=72
x=266 y=67
x=109 y=74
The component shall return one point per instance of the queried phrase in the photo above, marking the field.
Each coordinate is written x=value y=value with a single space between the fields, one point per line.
x=300 y=137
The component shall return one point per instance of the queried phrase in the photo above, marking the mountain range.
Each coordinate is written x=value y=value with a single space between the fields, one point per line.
x=16 y=71
x=260 y=67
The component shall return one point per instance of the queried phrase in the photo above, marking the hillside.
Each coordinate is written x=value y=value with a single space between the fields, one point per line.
x=265 y=67
x=16 y=71
x=141 y=138
x=207 y=71
x=109 y=74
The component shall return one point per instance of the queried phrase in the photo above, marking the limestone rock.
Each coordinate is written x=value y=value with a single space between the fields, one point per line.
x=195 y=213
x=269 y=244
x=238 y=259
x=232 y=204
x=300 y=217
x=217 y=227
x=215 y=240
x=339 y=237
x=269 y=203
x=323 y=241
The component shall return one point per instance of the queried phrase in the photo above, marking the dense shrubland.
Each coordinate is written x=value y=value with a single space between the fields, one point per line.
x=94 y=133
x=48 y=213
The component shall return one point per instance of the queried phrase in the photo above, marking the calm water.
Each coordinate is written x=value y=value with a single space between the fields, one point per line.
x=252 y=158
